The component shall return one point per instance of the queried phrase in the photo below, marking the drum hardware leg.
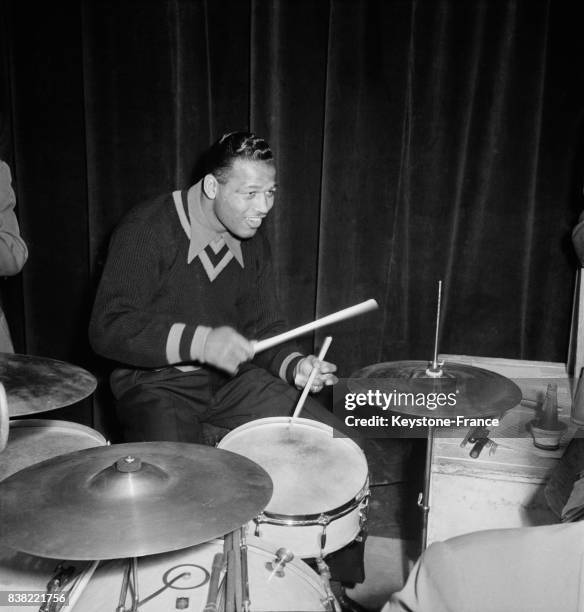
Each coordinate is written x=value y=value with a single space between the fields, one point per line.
x=237 y=565
x=424 y=496
x=276 y=567
x=130 y=582
x=213 y=593
x=124 y=590
x=136 y=595
x=330 y=601
x=232 y=579
x=246 y=601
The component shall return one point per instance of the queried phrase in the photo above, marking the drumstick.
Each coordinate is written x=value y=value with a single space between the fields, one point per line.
x=315 y=369
x=335 y=317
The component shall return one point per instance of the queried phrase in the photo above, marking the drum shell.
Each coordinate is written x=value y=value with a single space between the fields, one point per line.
x=341 y=520
x=31 y=441
x=299 y=589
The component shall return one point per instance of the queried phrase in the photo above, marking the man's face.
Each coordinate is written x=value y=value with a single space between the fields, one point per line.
x=245 y=197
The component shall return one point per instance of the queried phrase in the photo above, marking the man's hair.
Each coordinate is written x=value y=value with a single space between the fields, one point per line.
x=219 y=158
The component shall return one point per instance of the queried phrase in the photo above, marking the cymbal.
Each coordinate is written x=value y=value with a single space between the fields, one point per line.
x=129 y=500
x=478 y=392
x=37 y=384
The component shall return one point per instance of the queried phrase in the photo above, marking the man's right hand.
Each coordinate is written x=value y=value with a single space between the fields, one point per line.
x=227 y=350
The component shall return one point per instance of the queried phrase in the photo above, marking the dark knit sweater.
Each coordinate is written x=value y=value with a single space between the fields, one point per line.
x=149 y=296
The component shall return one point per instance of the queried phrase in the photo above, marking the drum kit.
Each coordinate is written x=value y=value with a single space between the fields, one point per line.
x=137 y=526
x=127 y=519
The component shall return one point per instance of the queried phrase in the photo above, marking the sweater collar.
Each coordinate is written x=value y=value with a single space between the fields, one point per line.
x=201 y=233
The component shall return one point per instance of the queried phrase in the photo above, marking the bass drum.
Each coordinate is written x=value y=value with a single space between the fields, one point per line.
x=31 y=441
x=180 y=580
x=21 y=572
x=321 y=483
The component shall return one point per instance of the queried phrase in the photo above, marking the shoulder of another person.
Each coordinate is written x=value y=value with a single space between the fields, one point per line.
x=7 y=198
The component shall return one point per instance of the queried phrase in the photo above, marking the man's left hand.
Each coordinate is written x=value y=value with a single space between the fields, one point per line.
x=324 y=377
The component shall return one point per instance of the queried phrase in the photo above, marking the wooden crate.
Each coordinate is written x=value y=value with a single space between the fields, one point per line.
x=504 y=489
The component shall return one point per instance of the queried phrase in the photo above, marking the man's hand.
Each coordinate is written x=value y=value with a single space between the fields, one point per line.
x=324 y=377
x=226 y=349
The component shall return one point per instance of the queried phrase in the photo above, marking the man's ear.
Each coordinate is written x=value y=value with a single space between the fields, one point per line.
x=210 y=186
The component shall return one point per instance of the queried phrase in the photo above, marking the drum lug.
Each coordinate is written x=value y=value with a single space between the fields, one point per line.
x=364 y=511
x=323 y=521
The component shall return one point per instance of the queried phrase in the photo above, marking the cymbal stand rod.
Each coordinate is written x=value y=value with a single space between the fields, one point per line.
x=244 y=572
x=435 y=360
x=230 y=578
x=213 y=593
x=237 y=565
x=435 y=369
x=424 y=497
x=124 y=590
x=136 y=598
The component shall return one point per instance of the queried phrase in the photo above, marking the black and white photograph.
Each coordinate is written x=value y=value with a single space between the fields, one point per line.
x=291 y=306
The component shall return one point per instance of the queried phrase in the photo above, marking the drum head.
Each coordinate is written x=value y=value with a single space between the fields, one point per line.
x=312 y=471
x=31 y=441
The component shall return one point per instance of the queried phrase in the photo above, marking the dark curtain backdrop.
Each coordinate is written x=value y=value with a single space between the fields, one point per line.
x=415 y=141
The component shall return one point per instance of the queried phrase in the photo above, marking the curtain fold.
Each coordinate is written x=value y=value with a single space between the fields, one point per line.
x=415 y=141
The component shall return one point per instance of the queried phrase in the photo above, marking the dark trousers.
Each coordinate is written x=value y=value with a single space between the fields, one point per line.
x=171 y=405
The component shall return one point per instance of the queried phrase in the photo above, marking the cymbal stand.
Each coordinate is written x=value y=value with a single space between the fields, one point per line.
x=214 y=586
x=124 y=590
x=424 y=496
x=131 y=585
x=237 y=598
x=246 y=601
x=434 y=370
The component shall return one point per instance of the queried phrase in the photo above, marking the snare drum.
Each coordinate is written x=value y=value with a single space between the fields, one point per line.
x=31 y=441
x=182 y=579
x=321 y=483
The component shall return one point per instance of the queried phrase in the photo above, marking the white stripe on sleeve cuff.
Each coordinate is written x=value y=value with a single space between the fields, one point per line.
x=173 y=343
x=198 y=343
x=284 y=365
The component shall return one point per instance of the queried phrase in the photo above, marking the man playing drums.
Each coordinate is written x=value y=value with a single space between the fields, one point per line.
x=187 y=285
